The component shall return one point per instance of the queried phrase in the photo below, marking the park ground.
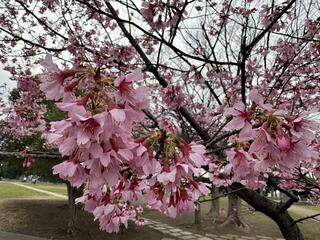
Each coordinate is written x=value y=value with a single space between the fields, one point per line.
x=24 y=210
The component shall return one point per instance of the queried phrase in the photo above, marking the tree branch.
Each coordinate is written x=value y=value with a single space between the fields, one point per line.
x=283 y=206
x=173 y=48
x=305 y=218
x=31 y=154
x=222 y=195
x=18 y=38
x=249 y=47
x=40 y=21
x=202 y=132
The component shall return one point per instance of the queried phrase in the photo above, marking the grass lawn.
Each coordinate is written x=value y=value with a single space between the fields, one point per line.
x=309 y=228
x=33 y=205
x=261 y=224
x=311 y=207
x=9 y=190
x=50 y=187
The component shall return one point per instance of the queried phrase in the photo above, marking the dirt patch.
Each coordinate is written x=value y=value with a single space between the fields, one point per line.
x=48 y=218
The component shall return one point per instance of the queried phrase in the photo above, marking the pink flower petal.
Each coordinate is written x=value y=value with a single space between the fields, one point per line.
x=118 y=115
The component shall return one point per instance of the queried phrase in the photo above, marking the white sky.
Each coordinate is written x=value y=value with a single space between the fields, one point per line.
x=4 y=79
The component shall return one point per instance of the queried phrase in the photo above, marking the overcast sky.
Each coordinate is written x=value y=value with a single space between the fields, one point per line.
x=4 y=79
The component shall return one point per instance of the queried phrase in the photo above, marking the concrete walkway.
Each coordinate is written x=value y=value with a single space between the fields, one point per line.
x=17 y=236
x=178 y=233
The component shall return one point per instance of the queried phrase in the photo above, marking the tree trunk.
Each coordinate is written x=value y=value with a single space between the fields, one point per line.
x=214 y=211
x=197 y=214
x=233 y=218
x=234 y=208
x=289 y=229
x=72 y=208
x=272 y=194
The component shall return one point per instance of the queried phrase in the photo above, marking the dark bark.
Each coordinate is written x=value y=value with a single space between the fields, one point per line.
x=283 y=197
x=288 y=227
x=72 y=208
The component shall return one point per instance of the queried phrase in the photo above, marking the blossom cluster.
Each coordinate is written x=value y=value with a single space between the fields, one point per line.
x=99 y=149
x=161 y=14
x=268 y=142
x=25 y=114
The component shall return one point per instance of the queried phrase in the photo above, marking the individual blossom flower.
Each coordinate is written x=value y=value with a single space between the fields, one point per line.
x=71 y=171
x=265 y=149
x=302 y=127
x=184 y=200
x=257 y=99
x=240 y=120
x=135 y=98
x=194 y=153
x=90 y=202
x=293 y=152
x=167 y=175
x=241 y=163
x=52 y=81
x=198 y=189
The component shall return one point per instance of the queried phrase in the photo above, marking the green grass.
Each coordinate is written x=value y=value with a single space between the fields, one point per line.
x=309 y=228
x=311 y=207
x=50 y=187
x=9 y=190
x=265 y=226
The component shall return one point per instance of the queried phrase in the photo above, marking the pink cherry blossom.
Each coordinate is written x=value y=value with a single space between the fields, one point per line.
x=240 y=120
x=71 y=171
x=53 y=81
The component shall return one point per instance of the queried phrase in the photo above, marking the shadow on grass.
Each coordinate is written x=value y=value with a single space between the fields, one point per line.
x=48 y=218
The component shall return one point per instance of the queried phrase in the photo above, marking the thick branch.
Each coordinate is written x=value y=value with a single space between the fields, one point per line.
x=260 y=203
x=283 y=206
x=38 y=155
x=202 y=132
x=222 y=195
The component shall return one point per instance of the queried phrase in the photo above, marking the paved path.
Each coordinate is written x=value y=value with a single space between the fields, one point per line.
x=177 y=233
x=40 y=190
x=304 y=212
x=17 y=236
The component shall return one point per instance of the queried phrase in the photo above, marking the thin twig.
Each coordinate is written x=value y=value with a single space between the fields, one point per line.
x=222 y=195
x=305 y=218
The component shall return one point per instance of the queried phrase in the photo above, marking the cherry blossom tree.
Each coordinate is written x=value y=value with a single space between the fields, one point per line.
x=158 y=94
